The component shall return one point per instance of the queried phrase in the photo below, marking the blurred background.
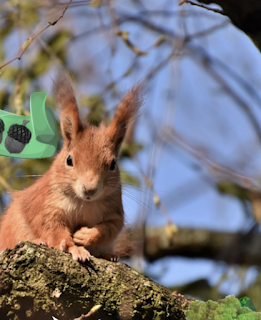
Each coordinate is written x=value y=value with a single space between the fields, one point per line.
x=191 y=164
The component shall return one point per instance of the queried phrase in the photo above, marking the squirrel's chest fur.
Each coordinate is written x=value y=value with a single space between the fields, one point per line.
x=48 y=202
x=82 y=213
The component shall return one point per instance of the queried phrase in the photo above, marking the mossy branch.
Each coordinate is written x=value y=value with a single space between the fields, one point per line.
x=38 y=283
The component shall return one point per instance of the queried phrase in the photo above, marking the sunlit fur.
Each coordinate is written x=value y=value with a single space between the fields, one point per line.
x=58 y=209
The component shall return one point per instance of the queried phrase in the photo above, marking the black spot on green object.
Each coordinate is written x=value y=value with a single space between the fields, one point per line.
x=2 y=128
x=17 y=137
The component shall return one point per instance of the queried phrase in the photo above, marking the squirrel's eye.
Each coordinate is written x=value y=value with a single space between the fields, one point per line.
x=113 y=165
x=69 y=161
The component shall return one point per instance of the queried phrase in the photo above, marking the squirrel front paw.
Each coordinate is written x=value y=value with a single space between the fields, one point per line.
x=85 y=236
x=78 y=253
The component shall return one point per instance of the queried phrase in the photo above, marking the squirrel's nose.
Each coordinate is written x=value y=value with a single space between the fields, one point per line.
x=89 y=192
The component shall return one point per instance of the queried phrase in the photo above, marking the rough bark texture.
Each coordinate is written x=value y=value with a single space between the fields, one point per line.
x=245 y=14
x=233 y=248
x=38 y=282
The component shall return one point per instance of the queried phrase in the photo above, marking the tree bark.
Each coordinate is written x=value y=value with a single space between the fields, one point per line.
x=245 y=14
x=37 y=283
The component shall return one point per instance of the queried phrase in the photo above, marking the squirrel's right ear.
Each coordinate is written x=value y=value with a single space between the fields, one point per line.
x=127 y=111
x=69 y=113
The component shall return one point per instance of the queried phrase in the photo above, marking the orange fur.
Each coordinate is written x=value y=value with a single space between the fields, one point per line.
x=75 y=208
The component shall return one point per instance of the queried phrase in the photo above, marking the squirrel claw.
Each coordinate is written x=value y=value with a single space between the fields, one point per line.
x=115 y=258
x=110 y=257
x=78 y=253
x=40 y=242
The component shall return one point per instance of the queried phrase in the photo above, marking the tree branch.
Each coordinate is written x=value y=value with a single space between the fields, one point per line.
x=28 y=41
x=201 y=6
x=244 y=14
x=232 y=248
x=40 y=283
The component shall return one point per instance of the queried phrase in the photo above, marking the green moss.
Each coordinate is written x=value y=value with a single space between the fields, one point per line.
x=225 y=309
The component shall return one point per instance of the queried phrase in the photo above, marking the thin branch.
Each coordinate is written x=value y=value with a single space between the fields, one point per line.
x=125 y=17
x=216 y=170
x=113 y=83
x=201 y=6
x=207 y=31
x=28 y=41
x=204 y=57
x=209 y=64
x=156 y=198
x=171 y=13
x=76 y=3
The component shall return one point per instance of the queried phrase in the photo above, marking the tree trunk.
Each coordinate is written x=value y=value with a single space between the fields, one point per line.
x=38 y=282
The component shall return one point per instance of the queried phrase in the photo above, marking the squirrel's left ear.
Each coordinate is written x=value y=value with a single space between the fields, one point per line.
x=69 y=113
x=125 y=113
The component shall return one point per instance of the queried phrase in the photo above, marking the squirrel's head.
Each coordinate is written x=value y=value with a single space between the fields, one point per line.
x=89 y=158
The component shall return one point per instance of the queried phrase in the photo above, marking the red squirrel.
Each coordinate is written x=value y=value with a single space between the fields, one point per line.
x=76 y=206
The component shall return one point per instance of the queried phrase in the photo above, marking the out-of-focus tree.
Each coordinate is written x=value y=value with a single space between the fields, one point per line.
x=199 y=131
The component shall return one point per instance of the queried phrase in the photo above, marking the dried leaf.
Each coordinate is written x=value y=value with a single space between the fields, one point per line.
x=148 y=182
x=95 y=3
x=125 y=37
x=160 y=40
x=27 y=44
x=156 y=200
x=171 y=230
x=127 y=72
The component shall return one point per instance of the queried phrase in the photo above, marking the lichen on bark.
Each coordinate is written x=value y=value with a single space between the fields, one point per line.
x=38 y=282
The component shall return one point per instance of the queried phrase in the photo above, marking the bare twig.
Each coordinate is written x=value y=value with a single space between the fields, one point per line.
x=216 y=170
x=201 y=6
x=207 y=31
x=156 y=198
x=210 y=64
x=28 y=41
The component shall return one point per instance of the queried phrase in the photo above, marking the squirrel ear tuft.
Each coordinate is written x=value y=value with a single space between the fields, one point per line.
x=69 y=113
x=126 y=112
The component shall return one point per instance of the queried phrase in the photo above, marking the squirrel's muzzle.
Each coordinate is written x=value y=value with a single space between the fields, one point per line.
x=89 y=192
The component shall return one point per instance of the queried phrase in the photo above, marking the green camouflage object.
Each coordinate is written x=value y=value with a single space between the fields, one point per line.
x=41 y=131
